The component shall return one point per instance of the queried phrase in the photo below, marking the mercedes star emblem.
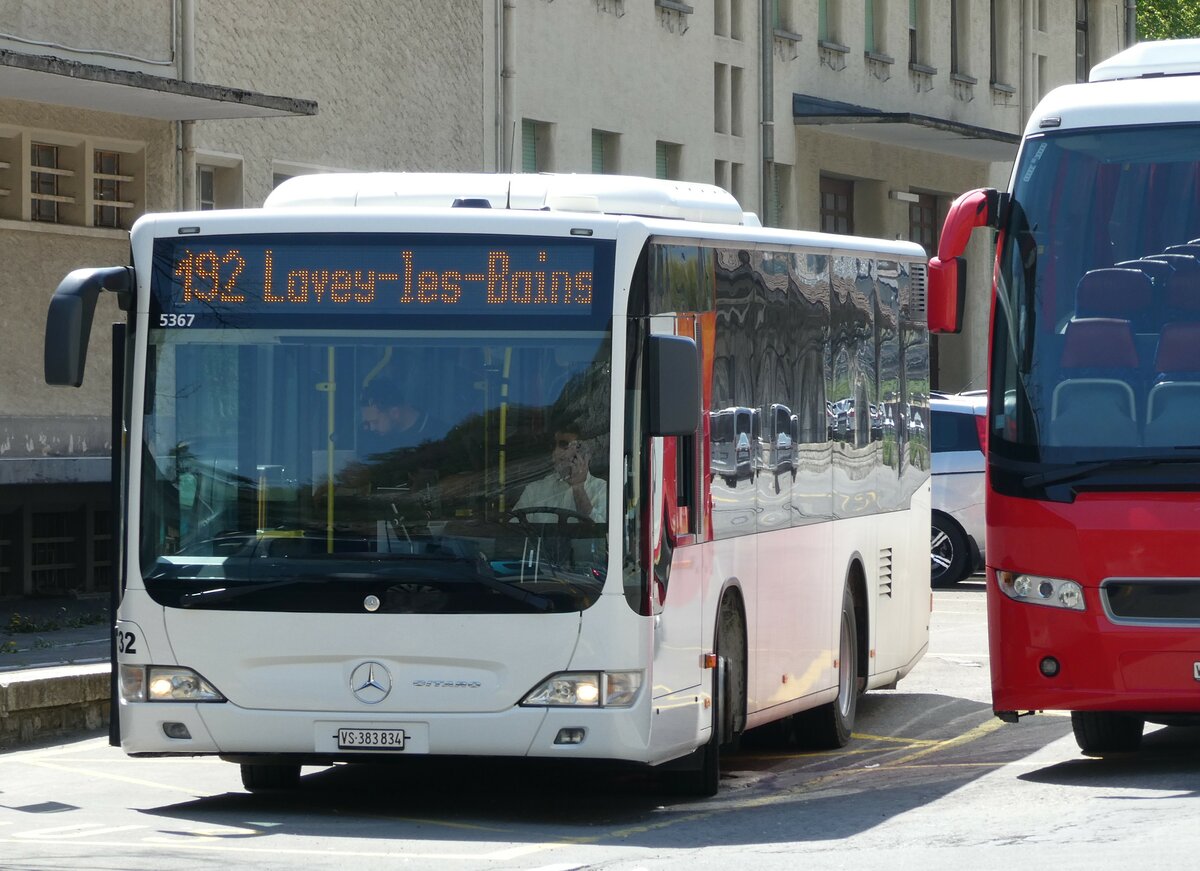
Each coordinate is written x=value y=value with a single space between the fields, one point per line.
x=370 y=683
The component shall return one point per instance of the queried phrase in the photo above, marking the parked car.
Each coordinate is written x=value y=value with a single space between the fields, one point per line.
x=957 y=442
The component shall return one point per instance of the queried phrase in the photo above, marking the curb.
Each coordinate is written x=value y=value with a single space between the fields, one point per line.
x=42 y=703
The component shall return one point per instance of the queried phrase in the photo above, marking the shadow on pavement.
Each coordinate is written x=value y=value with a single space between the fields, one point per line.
x=914 y=750
x=1169 y=760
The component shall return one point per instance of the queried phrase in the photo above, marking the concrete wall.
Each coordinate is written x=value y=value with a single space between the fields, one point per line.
x=41 y=704
x=401 y=86
x=121 y=34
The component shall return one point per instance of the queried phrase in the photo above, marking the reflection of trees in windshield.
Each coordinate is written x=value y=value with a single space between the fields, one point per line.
x=276 y=475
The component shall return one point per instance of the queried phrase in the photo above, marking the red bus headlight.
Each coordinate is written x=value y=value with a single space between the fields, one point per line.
x=1040 y=590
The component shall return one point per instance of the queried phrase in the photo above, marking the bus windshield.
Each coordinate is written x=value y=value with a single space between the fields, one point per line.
x=435 y=474
x=1096 y=339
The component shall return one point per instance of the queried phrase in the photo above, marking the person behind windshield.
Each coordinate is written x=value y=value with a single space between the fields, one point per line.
x=569 y=484
x=392 y=417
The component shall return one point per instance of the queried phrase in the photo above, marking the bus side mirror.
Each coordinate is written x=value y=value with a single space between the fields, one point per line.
x=69 y=322
x=946 y=295
x=673 y=386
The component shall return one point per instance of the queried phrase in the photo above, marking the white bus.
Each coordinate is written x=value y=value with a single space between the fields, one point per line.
x=421 y=464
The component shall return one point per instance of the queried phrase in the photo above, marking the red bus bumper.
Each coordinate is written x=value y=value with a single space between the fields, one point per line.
x=1103 y=665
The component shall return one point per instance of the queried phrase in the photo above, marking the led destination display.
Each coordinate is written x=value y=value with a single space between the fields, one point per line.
x=209 y=281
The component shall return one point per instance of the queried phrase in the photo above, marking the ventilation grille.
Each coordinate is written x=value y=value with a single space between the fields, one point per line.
x=918 y=299
x=885 y=573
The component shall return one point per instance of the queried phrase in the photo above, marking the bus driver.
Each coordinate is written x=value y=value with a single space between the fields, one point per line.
x=569 y=484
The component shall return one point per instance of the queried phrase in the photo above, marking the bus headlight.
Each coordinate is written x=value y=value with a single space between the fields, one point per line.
x=165 y=683
x=586 y=689
x=1040 y=590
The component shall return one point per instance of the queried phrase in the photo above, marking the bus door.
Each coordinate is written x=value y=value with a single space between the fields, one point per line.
x=674 y=483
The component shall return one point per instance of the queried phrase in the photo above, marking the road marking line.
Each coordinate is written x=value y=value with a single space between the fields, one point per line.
x=912 y=742
x=810 y=790
x=984 y=728
x=87 y=830
x=504 y=854
x=136 y=781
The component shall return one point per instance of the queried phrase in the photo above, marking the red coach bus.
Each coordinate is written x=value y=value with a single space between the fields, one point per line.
x=1093 y=443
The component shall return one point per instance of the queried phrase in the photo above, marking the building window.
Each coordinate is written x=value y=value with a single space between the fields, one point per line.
x=837 y=205
x=219 y=180
x=737 y=181
x=720 y=98
x=874 y=26
x=206 y=183
x=923 y=225
x=785 y=16
x=56 y=551
x=827 y=20
x=959 y=28
x=667 y=158
x=107 y=185
x=779 y=201
x=604 y=152
x=721 y=173
x=721 y=17
x=735 y=100
x=1001 y=18
x=72 y=181
x=914 y=31
x=1083 y=63
x=535 y=146
x=45 y=173
x=727 y=99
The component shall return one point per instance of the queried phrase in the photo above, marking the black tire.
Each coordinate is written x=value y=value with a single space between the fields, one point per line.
x=270 y=778
x=1100 y=732
x=949 y=552
x=831 y=725
x=700 y=774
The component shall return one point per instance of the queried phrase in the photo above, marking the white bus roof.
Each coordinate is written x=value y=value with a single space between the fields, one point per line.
x=1169 y=57
x=1120 y=103
x=594 y=194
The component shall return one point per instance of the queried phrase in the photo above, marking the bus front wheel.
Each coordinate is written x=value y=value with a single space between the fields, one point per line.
x=700 y=774
x=270 y=778
x=1100 y=732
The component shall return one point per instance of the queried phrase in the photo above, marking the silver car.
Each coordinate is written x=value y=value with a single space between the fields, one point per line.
x=957 y=427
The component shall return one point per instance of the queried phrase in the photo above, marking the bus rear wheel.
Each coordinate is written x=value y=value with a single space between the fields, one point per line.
x=259 y=777
x=831 y=725
x=1100 y=732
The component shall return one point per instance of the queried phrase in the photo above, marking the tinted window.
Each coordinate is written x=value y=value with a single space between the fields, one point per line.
x=954 y=432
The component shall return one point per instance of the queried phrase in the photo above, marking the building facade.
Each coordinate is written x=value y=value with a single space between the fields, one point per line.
x=855 y=116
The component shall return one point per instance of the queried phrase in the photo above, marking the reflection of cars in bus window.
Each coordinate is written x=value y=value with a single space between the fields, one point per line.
x=777 y=445
x=732 y=446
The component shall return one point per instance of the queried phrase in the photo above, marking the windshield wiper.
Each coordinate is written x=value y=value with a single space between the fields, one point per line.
x=1077 y=471
x=244 y=588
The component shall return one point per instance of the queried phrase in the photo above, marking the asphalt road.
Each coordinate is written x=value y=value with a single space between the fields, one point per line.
x=930 y=781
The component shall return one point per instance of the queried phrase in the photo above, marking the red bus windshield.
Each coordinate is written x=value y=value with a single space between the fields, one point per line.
x=1096 y=341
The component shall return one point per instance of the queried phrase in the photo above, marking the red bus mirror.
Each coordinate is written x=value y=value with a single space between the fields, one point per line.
x=948 y=270
x=947 y=294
